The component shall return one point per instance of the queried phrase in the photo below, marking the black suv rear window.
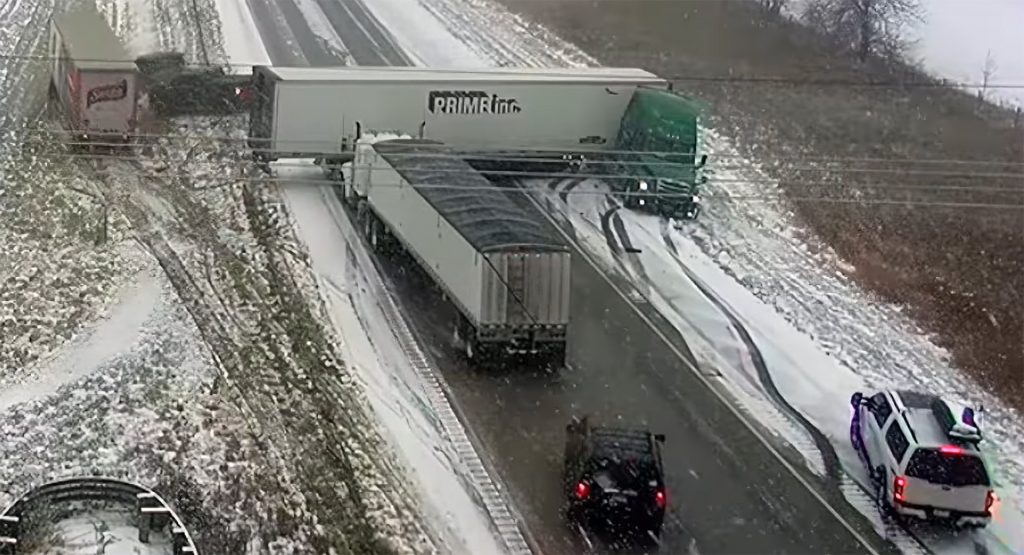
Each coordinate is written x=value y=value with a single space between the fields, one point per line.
x=947 y=469
x=626 y=474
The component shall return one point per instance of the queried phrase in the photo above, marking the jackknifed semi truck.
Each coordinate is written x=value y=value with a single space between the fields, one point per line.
x=502 y=264
x=537 y=121
x=302 y=112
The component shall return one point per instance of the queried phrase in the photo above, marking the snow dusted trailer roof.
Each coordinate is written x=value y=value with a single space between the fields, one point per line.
x=89 y=41
x=592 y=75
x=500 y=262
x=484 y=215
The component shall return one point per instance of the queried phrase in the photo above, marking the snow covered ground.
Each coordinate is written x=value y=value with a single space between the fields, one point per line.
x=219 y=407
x=134 y=397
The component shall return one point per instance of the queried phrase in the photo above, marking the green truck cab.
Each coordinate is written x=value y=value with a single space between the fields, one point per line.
x=656 y=151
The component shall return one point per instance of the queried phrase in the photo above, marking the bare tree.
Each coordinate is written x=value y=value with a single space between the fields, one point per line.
x=988 y=71
x=773 y=7
x=865 y=26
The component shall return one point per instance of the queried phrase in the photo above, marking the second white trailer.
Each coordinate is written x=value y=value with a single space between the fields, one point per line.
x=502 y=265
x=321 y=112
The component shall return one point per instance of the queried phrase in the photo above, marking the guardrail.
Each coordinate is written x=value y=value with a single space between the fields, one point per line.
x=154 y=513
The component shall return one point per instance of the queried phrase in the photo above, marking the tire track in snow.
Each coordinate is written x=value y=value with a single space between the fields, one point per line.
x=837 y=479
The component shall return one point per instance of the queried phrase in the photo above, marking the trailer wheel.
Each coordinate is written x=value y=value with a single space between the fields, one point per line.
x=375 y=241
x=462 y=339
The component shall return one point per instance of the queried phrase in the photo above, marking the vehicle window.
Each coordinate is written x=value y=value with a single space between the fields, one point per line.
x=897 y=441
x=948 y=470
x=625 y=474
x=880 y=408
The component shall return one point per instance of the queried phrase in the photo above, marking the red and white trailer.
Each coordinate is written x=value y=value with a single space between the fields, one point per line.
x=93 y=77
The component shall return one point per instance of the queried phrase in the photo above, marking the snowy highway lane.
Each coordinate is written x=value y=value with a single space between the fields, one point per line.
x=670 y=271
x=729 y=493
x=315 y=32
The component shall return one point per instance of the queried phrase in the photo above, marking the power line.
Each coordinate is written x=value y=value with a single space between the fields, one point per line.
x=523 y=175
x=614 y=163
x=615 y=174
x=575 y=192
x=463 y=153
x=674 y=78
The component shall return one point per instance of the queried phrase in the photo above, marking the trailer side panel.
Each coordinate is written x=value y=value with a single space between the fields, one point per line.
x=435 y=244
x=520 y=261
x=318 y=110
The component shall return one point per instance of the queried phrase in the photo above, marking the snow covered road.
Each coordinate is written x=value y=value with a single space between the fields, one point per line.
x=802 y=382
x=311 y=32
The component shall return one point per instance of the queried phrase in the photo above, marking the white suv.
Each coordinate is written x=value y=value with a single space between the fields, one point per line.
x=923 y=456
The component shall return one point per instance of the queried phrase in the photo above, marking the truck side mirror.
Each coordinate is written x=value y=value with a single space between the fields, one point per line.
x=660 y=438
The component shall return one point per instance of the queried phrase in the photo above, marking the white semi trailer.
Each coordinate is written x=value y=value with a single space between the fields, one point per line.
x=500 y=263
x=92 y=77
x=321 y=112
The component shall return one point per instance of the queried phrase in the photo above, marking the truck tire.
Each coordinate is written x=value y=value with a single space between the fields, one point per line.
x=557 y=356
x=463 y=339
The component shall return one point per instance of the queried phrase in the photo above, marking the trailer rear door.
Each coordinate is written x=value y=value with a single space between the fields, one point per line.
x=108 y=99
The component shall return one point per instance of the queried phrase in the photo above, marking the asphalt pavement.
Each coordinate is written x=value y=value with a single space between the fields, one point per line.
x=728 y=493
x=290 y=41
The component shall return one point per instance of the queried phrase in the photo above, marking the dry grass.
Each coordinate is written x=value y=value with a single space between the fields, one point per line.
x=960 y=269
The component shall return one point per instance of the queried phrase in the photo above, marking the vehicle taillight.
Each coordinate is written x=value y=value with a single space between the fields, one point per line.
x=660 y=498
x=582 y=490
x=951 y=450
x=899 y=484
x=990 y=500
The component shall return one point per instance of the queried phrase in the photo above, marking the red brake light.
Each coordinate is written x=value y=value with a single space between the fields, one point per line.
x=582 y=490
x=899 y=485
x=951 y=450
x=990 y=500
x=660 y=499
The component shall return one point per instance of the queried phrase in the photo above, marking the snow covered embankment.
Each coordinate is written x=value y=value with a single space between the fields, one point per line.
x=227 y=251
